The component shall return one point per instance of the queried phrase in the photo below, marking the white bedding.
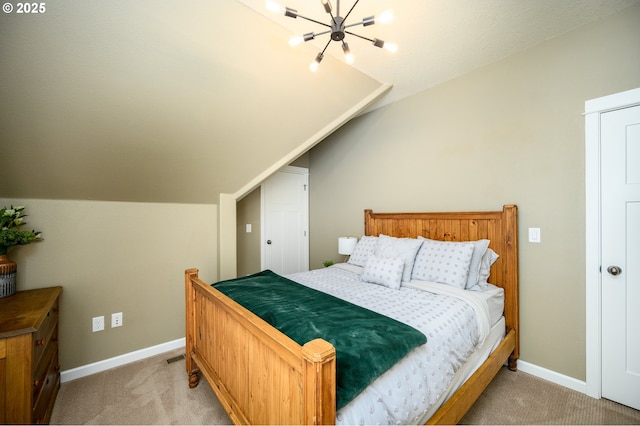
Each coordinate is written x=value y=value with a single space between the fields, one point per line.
x=411 y=390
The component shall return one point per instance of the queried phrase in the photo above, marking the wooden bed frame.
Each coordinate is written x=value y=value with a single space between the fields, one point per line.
x=263 y=377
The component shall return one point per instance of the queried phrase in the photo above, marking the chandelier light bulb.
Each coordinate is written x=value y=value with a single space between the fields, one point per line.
x=385 y=17
x=274 y=7
x=393 y=48
x=348 y=56
x=295 y=40
x=316 y=63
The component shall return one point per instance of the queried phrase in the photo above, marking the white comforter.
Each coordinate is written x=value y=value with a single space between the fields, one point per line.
x=454 y=327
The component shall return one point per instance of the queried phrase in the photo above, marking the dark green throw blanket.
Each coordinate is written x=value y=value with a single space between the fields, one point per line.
x=367 y=343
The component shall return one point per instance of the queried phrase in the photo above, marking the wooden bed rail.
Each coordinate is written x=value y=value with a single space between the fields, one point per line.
x=260 y=375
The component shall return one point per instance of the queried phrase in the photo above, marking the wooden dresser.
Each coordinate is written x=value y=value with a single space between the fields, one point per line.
x=29 y=369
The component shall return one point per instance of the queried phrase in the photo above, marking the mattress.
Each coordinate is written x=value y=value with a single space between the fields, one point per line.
x=461 y=328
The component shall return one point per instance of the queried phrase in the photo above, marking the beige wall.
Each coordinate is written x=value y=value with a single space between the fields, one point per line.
x=510 y=132
x=116 y=257
x=249 y=243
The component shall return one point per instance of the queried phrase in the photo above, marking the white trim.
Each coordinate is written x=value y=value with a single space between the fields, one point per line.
x=117 y=361
x=295 y=169
x=593 y=109
x=613 y=102
x=552 y=376
x=592 y=253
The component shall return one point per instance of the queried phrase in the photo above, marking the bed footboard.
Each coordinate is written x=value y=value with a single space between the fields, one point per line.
x=260 y=375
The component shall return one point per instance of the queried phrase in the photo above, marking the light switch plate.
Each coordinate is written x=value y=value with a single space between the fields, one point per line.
x=534 y=235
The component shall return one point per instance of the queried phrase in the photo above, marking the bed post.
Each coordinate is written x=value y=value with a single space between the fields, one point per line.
x=319 y=372
x=367 y=222
x=510 y=217
x=190 y=325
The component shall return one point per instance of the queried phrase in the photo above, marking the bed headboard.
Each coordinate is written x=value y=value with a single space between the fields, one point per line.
x=500 y=227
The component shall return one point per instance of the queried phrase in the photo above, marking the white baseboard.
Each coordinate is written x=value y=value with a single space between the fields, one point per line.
x=97 y=367
x=552 y=376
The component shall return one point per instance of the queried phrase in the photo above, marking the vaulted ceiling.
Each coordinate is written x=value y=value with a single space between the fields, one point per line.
x=178 y=101
x=440 y=39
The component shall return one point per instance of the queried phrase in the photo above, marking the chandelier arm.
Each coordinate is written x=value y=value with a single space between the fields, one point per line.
x=348 y=13
x=362 y=37
x=322 y=33
x=353 y=25
x=326 y=45
x=333 y=18
x=313 y=20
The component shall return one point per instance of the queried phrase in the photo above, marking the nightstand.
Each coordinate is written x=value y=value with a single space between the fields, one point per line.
x=29 y=369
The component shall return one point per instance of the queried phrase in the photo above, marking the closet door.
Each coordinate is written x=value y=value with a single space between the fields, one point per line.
x=620 y=177
x=285 y=239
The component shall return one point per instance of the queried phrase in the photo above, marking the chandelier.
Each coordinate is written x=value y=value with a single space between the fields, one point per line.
x=337 y=29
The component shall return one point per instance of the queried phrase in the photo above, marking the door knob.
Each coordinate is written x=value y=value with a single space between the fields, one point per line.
x=268 y=241
x=614 y=270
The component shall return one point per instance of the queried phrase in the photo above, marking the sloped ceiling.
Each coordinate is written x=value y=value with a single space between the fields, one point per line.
x=162 y=101
x=178 y=101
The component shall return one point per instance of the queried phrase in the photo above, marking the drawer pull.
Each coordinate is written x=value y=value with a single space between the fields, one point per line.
x=36 y=382
x=40 y=342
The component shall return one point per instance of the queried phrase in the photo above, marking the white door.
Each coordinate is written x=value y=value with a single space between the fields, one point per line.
x=620 y=236
x=285 y=240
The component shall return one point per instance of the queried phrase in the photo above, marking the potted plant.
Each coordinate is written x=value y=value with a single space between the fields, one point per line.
x=11 y=219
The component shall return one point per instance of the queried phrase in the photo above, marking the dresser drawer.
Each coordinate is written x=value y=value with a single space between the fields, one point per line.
x=42 y=369
x=43 y=401
x=43 y=335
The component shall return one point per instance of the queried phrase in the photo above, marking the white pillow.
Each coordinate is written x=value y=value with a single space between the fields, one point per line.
x=479 y=249
x=386 y=271
x=366 y=247
x=404 y=248
x=445 y=262
x=488 y=259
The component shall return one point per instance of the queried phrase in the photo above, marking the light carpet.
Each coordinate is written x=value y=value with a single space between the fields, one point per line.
x=153 y=391
x=147 y=392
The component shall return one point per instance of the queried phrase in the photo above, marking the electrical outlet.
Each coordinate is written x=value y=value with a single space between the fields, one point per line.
x=116 y=320
x=97 y=324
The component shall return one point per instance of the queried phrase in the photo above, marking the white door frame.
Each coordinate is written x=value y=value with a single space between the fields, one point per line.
x=593 y=109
